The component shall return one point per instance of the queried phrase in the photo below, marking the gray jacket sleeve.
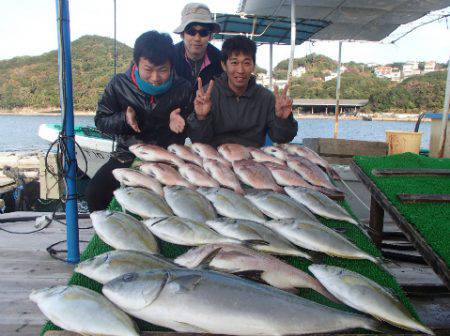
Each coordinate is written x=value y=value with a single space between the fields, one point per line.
x=280 y=130
x=200 y=130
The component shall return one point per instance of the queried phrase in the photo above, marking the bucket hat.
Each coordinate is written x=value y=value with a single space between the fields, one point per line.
x=196 y=13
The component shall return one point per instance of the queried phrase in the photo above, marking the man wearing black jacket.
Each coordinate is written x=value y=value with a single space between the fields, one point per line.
x=195 y=56
x=235 y=109
x=146 y=104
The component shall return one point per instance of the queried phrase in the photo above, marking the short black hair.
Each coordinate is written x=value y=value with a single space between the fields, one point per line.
x=238 y=44
x=156 y=47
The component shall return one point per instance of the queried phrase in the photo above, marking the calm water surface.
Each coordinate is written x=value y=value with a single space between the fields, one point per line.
x=20 y=133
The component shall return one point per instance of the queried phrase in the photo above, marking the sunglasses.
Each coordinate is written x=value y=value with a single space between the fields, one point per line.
x=202 y=32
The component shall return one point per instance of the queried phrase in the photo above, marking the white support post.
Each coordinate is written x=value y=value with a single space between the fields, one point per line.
x=293 y=38
x=338 y=89
x=271 y=66
x=443 y=138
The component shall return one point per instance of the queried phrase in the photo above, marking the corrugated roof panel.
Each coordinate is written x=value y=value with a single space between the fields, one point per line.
x=370 y=20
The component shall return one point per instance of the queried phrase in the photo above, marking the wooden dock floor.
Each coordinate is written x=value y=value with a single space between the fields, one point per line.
x=26 y=265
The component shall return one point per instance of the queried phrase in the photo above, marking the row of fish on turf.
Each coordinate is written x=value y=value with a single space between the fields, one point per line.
x=200 y=165
x=188 y=217
x=155 y=289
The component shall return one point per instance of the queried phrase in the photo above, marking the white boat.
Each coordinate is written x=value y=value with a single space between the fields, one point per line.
x=95 y=146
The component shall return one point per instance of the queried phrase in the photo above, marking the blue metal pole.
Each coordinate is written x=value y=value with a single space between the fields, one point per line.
x=66 y=99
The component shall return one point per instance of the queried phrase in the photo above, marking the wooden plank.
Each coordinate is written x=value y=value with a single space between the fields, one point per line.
x=424 y=198
x=376 y=222
x=346 y=148
x=410 y=172
x=431 y=257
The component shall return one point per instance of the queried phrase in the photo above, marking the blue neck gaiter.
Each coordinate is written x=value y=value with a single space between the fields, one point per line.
x=152 y=89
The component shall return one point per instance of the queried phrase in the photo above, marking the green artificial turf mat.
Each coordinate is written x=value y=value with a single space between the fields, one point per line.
x=432 y=220
x=364 y=267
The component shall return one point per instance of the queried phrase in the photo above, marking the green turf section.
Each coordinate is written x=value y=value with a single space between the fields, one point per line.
x=432 y=220
x=364 y=267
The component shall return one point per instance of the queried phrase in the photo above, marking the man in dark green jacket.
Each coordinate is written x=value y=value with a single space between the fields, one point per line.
x=235 y=109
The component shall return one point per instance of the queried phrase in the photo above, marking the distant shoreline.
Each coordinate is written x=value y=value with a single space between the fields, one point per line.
x=377 y=117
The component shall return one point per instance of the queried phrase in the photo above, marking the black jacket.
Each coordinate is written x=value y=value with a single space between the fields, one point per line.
x=152 y=117
x=244 y=120
x=183 y=68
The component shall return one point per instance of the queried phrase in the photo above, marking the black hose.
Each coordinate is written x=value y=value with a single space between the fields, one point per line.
x=421 y=116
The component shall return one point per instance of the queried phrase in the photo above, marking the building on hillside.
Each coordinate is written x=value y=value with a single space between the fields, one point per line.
x=333 y=75
x=392 y=73
x=299 y=72
x=410 y=68
x=429 y=66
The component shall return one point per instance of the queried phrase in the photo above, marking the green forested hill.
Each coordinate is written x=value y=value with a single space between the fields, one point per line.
x=33 y=81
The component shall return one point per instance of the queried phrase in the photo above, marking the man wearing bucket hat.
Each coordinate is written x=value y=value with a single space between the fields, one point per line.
x=195 y=56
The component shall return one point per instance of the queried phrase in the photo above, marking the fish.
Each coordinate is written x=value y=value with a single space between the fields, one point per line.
x=183 y=231
x=107 y=266
x=238 y=259
x=123 y=232
x=189 y=203
x=210 y=302
x=284 y=176
x=134 y=178
x=261 y=156
x=197 y=176
x=234 y=152
x=83 y=311
x=232 y=205
x=223 y=174
x=256 y=175
x=319 y=204
x=314 y=236
x=278 y=206
x=367 y=296
x=154 y=153
x=307 y=153
x=142 y=202
x=271 y=242
x=185 y=153
x=208 y=152
x=310 y=172
x=165 y=174
x=276 y=151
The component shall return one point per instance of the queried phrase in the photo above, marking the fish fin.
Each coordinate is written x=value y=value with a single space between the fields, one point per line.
x=254 y=275
x=253 y=242
x=204 y=264
x=186 y=327
x=185 y=283
x=340 y=229
x=316 y=257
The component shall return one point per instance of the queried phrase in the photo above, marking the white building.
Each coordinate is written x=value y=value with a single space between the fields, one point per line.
x=411 y=68
x=430 y=66
x=299 y=72
x=331 y=76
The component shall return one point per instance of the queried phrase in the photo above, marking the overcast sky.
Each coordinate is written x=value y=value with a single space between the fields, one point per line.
x=28 y=27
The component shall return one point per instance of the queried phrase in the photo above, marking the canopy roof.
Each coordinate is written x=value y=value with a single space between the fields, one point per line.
x=370 y=20
x=267 y=29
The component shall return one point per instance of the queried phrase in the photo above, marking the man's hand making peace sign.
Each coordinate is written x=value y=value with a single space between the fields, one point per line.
x=283 y=104
x=202 y=102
